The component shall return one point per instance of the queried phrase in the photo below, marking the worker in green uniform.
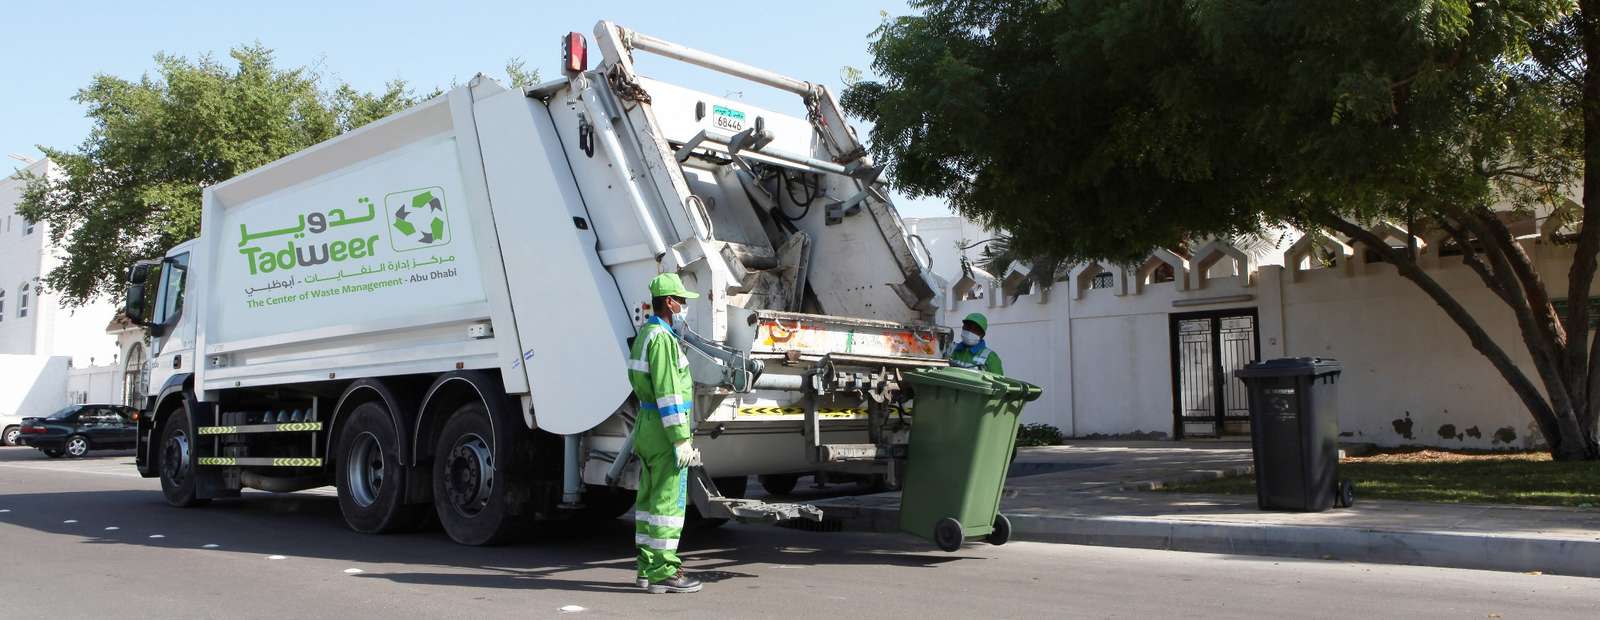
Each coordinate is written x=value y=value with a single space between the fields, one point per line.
x=971 y=351
x=659 y=373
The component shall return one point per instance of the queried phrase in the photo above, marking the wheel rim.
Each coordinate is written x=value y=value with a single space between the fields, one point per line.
x=469 y=475
x=12 y=436
x=175 y=458
x=77 y=446
x=364 y=469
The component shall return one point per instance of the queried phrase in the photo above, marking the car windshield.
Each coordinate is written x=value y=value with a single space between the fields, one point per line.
x=64 y=412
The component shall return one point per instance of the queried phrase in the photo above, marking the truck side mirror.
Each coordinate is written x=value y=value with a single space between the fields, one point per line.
x=135 y=301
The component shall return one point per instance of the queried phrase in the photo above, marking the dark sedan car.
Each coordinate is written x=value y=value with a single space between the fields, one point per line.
x=76 y=429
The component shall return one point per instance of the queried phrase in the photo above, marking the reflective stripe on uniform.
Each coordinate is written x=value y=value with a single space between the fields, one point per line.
x=676 y=418
x=665 y=544
x=669 y=400
x=981 y=360
x=639 y=365
x=659 y=520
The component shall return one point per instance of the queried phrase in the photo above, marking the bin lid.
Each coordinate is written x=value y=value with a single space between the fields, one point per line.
x=1020 y=389
x=962 y=379
x=976 y=382
x=1291 y=367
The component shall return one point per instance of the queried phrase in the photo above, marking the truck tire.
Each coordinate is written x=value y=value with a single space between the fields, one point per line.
x=778 y=484
x=368 y=474
x=467 y=492
x=177 y=462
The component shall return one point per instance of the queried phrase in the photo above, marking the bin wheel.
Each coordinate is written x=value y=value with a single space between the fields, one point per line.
x=1347 y=494
x=1002 y=530
x=947 y=534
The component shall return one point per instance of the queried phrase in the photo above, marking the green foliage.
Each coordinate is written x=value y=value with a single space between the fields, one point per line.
x=1029 y=435
x=1103 y=128
x=132 y=188
x=520 y=75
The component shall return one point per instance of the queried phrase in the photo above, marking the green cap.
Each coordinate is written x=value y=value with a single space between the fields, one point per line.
x=978 y=318
x=670 y=285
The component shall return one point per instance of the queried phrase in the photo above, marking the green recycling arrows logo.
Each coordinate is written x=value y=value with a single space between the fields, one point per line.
x=417 y=219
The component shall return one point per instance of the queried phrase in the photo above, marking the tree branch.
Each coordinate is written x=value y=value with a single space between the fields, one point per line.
x=1469 y=256
x=1538 y=338
x=1480 y=340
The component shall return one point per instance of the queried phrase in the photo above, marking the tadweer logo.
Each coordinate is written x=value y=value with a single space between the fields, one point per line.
x=418 y=216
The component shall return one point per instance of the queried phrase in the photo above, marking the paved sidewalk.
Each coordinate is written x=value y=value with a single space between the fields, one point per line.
x=1093 y=493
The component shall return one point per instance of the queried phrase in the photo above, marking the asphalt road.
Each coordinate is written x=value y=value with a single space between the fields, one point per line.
x=89 y=538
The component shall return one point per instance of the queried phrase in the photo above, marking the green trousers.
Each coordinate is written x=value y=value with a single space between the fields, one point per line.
x=658 y=515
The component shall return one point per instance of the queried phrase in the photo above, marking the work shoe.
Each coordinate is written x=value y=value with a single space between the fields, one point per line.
x=676 y=583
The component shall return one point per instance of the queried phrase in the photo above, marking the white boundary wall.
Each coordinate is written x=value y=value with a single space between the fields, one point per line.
x=1104 y=355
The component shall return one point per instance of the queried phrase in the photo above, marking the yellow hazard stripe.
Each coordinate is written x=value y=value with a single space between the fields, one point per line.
x=297 y=462
x=847 y=412
x=286 y=427
x=228 y=461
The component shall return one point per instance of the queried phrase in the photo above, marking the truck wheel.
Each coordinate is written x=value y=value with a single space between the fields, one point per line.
x=76 y=446
x=13 y=435
x=369 y=476
x=778 y=484
x=177 y=462
x=468 y=493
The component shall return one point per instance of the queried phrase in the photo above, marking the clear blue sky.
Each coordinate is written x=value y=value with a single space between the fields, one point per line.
x=51 y=49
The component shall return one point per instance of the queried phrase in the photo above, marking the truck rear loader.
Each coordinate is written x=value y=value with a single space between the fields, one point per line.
x=432 y=313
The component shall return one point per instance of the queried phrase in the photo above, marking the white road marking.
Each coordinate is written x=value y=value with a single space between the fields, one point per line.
x=352 y=571
x=276 y=557
x=112 y=528
x=123 y=471
x=70 y=521
x=4 y=510
x=571 y=609
x=210 y=546
x=158 y=536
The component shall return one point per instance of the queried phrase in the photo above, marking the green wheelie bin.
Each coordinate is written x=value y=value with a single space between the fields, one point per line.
x=962 y=434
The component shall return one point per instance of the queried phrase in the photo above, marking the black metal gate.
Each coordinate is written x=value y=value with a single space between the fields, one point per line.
x=1207 y=400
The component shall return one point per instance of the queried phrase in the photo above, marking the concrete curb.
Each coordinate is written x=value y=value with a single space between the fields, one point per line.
x=1482 y=551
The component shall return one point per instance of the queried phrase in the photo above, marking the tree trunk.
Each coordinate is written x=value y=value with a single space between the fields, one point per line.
x=1556 y=417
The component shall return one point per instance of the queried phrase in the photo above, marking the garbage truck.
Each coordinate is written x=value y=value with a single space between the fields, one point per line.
x=433 y=313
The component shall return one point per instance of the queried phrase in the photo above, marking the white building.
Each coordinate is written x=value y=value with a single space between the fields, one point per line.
x=46 y=347
x=1149 y=350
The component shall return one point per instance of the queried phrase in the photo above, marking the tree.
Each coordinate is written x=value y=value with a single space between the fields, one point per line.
x=1099 y=129
x=132 y=188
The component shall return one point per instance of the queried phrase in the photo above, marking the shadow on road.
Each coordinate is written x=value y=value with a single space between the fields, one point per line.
x=551 y=555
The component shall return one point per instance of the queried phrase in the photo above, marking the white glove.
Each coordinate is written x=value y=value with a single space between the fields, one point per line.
x=687 y=455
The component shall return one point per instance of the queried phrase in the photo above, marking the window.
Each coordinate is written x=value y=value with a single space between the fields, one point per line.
x=169 y=300
x=22 y=300
x=27 y=227
x=2 y=304
x=133 y=377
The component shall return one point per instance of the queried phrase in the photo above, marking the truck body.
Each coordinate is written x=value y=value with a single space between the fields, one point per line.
x=434 y=312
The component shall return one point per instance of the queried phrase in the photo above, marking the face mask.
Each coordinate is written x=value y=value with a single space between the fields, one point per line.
x=680 y=318
x=970 y=339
